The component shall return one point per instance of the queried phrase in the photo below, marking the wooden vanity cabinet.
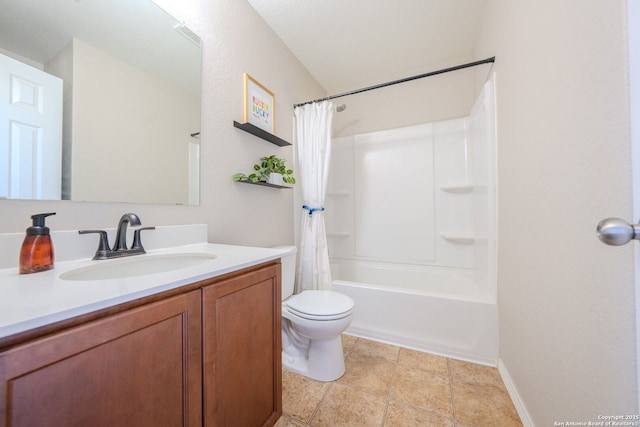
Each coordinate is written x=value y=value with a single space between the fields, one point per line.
x=208 y=354
x=242 y=350
x=140 y=367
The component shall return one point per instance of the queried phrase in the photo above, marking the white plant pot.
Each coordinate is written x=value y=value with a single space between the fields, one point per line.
x=275 y=179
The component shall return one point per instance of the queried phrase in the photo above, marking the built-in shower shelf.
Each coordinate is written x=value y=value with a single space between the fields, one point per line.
x=260 y=133
x=338 y=193
x=458 y=188
x=459 y=238
x=338 y=234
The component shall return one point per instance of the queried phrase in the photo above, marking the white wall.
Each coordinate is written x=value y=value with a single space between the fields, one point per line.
x=235 y=40
x=566 y=300
x=433 y=99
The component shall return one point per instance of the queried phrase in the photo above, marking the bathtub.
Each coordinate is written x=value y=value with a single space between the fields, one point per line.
x=438 y=310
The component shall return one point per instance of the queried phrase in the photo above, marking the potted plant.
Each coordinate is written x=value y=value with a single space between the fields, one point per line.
x=271 y=169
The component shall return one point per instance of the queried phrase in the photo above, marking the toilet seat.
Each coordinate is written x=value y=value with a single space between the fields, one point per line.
x=320 y=305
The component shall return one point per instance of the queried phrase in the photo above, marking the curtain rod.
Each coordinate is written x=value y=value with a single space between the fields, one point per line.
x=406 y=79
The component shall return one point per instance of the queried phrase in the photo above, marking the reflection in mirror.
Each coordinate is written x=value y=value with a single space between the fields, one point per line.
x=99 y=101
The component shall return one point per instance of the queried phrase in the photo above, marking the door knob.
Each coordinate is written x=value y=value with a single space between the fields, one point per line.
x=617 y=232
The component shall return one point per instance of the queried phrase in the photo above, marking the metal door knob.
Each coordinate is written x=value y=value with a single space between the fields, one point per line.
x=617 y=232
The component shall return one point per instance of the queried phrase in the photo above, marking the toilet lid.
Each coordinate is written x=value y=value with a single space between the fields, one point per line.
x=320 y=305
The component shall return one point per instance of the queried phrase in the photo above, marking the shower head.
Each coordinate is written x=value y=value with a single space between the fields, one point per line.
x=341 y=107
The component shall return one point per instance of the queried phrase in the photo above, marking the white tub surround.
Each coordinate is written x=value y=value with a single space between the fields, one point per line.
x=34 y=300
x=411 y=226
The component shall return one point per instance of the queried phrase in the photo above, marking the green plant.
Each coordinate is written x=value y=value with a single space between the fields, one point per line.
x=267 y=166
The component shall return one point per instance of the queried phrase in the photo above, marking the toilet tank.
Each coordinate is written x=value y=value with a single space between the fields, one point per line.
x=288 y=271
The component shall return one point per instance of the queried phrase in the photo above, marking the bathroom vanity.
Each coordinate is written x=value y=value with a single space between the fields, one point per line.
x=200 y=350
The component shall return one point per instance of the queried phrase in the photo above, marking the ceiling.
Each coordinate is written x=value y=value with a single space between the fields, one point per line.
x=350 y=44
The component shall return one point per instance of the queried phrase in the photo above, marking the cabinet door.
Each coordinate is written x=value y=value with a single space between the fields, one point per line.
x=242 y=345
x=141 y=367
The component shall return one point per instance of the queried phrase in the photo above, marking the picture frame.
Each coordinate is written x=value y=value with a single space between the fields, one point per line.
x=259 y=105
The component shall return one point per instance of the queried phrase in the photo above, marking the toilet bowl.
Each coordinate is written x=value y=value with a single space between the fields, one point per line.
x=312 y=323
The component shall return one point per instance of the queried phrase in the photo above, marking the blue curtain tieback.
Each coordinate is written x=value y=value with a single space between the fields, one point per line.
x=312 y=210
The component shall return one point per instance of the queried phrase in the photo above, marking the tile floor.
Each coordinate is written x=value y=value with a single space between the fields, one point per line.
x=386 y=385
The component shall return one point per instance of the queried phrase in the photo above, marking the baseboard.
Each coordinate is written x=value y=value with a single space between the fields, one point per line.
x=373 y=335
x=515 y=397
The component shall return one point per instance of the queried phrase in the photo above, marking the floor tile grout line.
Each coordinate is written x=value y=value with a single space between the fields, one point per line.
x=390 y=390
x=451 y=395
x=324 y=396
x=438 y=374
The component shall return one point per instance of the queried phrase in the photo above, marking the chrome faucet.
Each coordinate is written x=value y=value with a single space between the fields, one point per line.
x=120 y=245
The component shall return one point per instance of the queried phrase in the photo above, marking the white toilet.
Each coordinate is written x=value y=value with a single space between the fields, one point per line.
x=312 y=322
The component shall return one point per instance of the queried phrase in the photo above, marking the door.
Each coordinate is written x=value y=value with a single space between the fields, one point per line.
x=617 y=231
x=633 y=10
x=30 y=132
x=242 y=350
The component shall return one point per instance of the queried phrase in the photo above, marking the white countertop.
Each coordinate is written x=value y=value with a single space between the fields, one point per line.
x=34 y=300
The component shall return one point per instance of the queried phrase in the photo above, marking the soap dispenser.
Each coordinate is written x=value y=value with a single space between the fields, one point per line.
x=36 y=253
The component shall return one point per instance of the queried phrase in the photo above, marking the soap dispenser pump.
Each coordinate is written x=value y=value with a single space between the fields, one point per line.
x=36 y=253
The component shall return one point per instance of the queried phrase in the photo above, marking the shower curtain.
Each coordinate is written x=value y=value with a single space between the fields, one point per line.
x=313 y=138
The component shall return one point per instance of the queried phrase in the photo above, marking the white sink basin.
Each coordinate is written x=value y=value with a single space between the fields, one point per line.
x=138 y=265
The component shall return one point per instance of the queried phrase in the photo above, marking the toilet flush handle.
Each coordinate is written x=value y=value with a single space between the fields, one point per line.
x=617 y=232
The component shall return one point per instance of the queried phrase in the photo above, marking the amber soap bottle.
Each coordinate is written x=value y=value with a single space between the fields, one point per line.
x=36 y=253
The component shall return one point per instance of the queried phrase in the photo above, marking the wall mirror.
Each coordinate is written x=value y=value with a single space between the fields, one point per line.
x=100 y=101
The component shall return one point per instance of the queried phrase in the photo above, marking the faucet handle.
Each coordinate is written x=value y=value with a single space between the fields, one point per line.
x=103 y=244
x=137 y=244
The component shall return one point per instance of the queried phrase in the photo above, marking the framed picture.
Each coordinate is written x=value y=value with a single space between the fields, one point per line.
x=259 y=105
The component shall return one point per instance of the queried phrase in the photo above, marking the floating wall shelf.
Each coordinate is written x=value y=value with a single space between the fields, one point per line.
x=265 y=184
x=260 y=133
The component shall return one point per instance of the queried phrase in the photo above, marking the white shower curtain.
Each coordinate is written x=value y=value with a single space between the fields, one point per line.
x=313 y=138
